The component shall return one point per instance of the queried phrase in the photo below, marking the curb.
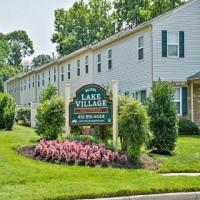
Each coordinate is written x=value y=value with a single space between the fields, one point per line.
x=166 y=196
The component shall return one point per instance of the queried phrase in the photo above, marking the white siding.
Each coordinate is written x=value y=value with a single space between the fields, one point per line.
x=133 y=75
x=186 y=19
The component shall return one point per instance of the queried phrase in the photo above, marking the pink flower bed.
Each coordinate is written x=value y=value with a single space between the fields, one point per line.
x=77 y=153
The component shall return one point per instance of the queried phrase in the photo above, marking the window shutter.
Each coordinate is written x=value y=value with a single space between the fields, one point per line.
x=164 y=43
x=184 y=101
x=181 y=44
x=143 y=96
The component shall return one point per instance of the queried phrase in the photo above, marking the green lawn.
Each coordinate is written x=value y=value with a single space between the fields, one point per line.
x=25 y=179
x=186 y=158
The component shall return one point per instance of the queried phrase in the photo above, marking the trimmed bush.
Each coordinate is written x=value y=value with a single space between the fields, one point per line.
x=50 y=118
x=49 y=93
x=187 y=127
x=164 y=120
x=134 y=126
x=24 y=117
x=7 y=111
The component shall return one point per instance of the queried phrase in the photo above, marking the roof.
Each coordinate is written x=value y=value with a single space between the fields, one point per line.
x=114 y=37
x=195 y=76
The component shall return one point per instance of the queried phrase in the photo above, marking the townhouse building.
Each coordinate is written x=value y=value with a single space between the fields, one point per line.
x=166 y=48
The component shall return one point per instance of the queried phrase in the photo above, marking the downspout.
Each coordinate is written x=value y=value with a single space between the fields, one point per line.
x=152 y=54
x=57 y=66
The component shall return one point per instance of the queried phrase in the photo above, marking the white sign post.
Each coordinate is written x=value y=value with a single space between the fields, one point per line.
x=67 y=101
x=115 y=111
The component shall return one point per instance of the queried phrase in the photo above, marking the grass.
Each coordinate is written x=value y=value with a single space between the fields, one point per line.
x=25 y=179
x=186 y=157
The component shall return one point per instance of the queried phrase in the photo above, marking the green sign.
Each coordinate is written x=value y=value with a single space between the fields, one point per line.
x=91 y=106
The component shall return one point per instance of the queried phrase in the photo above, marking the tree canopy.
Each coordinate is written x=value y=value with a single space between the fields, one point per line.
x=81 y=25
x=20 y=47
x=86 y=23
x=41 y=60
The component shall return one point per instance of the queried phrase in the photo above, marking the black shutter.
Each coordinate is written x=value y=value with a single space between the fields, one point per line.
x=184 y=101
x=164 y=43
x=181 y=44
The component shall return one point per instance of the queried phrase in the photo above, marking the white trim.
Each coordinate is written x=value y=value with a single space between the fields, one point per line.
x=192 y=102
x=179 y=101
x=140 y=47
x=168 y=44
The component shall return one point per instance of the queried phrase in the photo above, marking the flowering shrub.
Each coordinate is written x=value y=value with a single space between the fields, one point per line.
x=81 y=153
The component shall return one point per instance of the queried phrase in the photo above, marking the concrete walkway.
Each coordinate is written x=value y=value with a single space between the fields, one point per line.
x=181 y=174
x=167 y=196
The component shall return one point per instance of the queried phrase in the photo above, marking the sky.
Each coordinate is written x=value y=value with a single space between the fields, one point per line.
x=36 y=17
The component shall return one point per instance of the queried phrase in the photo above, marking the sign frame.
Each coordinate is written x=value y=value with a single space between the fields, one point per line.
x=109 y=101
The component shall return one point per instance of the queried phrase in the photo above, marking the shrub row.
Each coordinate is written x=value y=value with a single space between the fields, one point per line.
x=81 y=153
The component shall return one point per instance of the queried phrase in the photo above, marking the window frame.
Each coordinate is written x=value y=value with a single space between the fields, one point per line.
x=62 y=74
x=179 y=101
x=110 y=59
x=38 y=80
x=86 y=64
x=172 y=44
x=69 y=71
x=99 y=62
x=140 y=47
x=54 y=75
x=78 y=67
x=43 y=79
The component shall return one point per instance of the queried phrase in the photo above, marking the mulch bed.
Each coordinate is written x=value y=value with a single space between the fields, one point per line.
x=147 y=162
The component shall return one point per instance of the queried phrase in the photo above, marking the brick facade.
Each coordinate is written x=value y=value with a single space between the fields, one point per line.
x=196 y=91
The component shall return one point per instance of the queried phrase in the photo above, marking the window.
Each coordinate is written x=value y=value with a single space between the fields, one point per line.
x=126 y=94
x=141 y=96
x=29 y=82
x=54 y=76
x=178 y=100
x=140 y=48
x=110 y=59
x=33 y=83
x=78 y=68
x=62 y=74
x=24 y=84
x=43 y=78
x=173 y=43
x=68 y=72
x=99 y=62
x=49 y=76
x=38 y=80
x=86 y=65
x=21 y=86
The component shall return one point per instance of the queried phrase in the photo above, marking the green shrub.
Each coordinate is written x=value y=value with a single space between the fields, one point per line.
x=164 y=120
x=24 y=116
x=83 y=138
x=7 y=111
x=50 y=118
x=187 y=127
x=48 y=93
x=134 y=123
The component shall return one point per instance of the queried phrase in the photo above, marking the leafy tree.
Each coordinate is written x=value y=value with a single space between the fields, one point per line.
x=139 y=11
x=48 y=93
x=129 y=11
x=20 y=47
x=164 y=121
x=160 y=7
x=5 y=73
x=4 y=50
x=41 y=60
x=81 y=25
